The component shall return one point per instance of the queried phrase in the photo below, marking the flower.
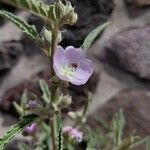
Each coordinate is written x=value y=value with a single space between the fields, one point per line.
x=73 y=133
x=72 y=65
x=31 y=129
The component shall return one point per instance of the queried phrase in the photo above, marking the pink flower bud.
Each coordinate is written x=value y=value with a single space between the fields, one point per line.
x=31 y=129
x=73 y=133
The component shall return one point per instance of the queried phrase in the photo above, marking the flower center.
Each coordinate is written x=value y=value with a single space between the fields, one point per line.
x=74 y=65
x=68 y=70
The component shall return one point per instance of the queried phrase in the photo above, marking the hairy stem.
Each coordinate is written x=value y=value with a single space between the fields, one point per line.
x=53 y=88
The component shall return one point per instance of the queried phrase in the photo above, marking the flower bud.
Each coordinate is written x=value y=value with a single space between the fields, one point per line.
x=59 y=38
x=64 y=13
x=32 y=104
x=30 y=130
x=46 y=34
x=59 y=9
x=44 y=40
x=72 y=115
x=73 y=17
x=64 y=101
x=73 y=134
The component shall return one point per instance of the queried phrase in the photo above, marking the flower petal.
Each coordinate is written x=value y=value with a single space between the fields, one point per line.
x=80 y=77
x=59 y=60
x=74 y=54
x=86 y=65
x=59 y=57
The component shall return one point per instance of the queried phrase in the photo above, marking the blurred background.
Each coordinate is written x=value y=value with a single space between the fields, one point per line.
x=121 y=57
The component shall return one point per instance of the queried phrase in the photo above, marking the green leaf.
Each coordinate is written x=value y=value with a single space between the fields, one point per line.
x=29 y=30
x=118 y=125
x=45 y=89
x=15 y=129
x=148 y=144
x=23 y=146
x=18 y=108
x=36 y=7
x=24 y=99
x=136 y=141
x=92 y=36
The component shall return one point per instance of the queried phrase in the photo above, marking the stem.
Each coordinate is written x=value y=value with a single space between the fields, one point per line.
x=53 y=88
x=53 y=132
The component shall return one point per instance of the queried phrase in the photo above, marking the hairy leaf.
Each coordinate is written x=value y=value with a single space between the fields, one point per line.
x=34 y=6
x=92 y=36
x=15 y=129
x=29 y=30
x=45 y=89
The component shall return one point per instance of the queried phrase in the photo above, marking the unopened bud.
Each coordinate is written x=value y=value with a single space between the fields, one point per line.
x=72 y=115
x=32 y=104
x=64 y=101
x=46 y=34
x=59 y=38
x=59 y=9
x=73 y=17
x=30 y=130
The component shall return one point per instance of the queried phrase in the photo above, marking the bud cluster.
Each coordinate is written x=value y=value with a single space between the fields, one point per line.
x=65 y=13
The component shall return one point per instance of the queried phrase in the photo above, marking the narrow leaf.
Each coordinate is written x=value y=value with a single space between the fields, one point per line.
x=24 y=99
x=45 y=89
x=18 y=108
x=118 y=125
x=29 y=30
x=36 y=7
x=15 y=129
x=148 y=144
x=92 y=36
x=23 y=146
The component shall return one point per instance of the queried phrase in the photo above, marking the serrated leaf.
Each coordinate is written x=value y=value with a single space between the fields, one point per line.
x=29 y=30
x=15 y=129
x=92 y=36
x=45 y=89
x=36 y=7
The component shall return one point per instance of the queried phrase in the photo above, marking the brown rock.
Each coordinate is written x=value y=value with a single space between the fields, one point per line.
x=130 y=50
x=141 y=2
x=135 y=104
x=9 y=55
x=138 y=3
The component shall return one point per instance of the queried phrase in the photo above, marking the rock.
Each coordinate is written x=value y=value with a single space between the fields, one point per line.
x=135 y=104
x=98 y=12
x=129 y=50
x=10 y=52
x=6 y=7
x=138 y=3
